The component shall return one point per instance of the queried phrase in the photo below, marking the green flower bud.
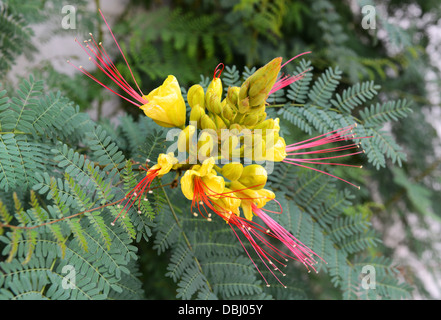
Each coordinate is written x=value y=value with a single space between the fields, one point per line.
x=262 y=117
x=261 y=82
x=232 y=171
x=196 y=96
x=244 y=105
x=243 y=92
x=254 y=176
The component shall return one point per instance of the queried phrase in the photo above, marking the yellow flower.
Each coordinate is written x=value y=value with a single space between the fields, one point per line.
x=248 y=197
x=277 y=152
x=165 y=163
x=165 y=105
x=227 y=204
x=202 y=179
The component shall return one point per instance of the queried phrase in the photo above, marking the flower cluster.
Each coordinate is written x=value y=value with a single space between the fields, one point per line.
x=228 y=131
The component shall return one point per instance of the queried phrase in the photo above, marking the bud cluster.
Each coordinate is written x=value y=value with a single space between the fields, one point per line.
x=233 y=125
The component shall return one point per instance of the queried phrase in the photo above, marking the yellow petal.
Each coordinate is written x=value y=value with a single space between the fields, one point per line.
x=278 y=152
x=232 y=171
x=166 y=162
x=247 y=210
x=213 y=184
x=254 y=176
x=206 y=166
x=166 y=106
x=187 y=184
x=265 y=195
x=228 y=202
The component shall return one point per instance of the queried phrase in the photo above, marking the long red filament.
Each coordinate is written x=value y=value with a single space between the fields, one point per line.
x=342 y=134
x=254 y=232
x=99 y=57
x=137 y=192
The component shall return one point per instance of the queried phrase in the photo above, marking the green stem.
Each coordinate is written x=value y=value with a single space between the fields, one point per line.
x=184 y=235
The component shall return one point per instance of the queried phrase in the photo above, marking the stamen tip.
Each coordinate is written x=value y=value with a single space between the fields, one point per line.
x=112 y=224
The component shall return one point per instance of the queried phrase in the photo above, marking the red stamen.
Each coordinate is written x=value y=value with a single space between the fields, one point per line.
x=218 y=70
x=254 y=232
x=99 y=57
x=342 y=134
x=137 y=192
x=122 y=53
x=284 y=81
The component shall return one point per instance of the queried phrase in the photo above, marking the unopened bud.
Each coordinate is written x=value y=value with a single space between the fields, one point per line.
x=216 y=86
x=207 y=123
x=250 y=120
x=196 y=113
x=257 y=109
x=254 y=176
x=235 y=128
x=205 y=144
x=232 y=171
x=196 y=96
x=185 y=137
x=213 y=102
x=243 y=92
x=227 y=111
x=267 y=124
x=261 y=82
x=244 y=105
x=233 y=96
x=220 y=124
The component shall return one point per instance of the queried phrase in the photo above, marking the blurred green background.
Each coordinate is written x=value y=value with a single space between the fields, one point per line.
x=394 y=43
